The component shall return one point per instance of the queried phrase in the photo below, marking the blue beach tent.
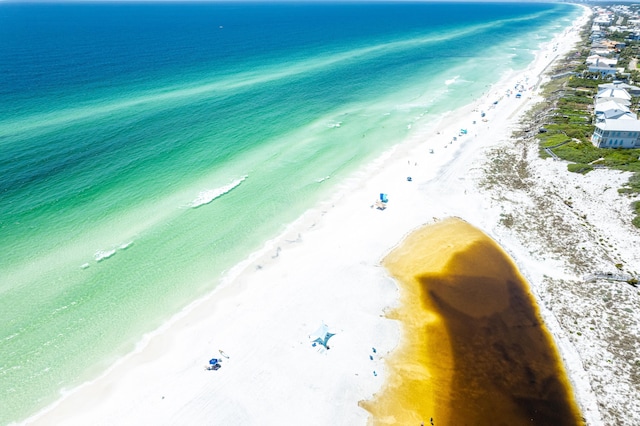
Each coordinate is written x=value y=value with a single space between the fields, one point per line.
x=383 y=198
x=321 y=336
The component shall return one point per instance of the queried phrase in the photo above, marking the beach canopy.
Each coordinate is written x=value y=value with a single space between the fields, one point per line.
x=321 y=335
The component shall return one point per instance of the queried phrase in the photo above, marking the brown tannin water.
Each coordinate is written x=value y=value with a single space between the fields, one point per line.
x=474 y=350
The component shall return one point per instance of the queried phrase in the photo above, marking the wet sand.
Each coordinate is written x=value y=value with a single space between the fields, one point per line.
x=474 y=350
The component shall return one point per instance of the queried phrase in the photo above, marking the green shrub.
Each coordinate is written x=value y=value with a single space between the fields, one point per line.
x=579 y=168
x=553 y=139
x=575 y=99
x=583 y=82
x=633 y=184
x=578 y=153
x=621 y=158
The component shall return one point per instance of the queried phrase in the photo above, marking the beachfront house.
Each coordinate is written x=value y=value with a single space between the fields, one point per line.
x=601 y=47
x=603 y=66
x=612 y=133
x=597 y=33
x=601 y=60
x=601 y=51
x=617 y=84
x=605 y=70
x=616 y=125
x=619 y=96
x=613 y=110
x=603 y=18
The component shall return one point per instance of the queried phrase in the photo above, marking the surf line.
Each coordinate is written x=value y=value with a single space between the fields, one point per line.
x=207 y=196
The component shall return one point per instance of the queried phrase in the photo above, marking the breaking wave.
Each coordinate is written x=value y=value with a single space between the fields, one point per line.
x=451 y=80
x=205 y=197
x=103 y=254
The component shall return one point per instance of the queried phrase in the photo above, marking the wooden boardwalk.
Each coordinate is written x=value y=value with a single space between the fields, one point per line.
x=610 y=276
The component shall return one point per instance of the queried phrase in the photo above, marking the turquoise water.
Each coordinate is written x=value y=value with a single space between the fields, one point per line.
x=145 y=149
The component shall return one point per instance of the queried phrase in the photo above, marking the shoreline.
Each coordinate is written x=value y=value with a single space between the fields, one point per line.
x=160 y=374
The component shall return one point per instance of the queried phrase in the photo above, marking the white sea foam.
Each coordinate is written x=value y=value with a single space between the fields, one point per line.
x=205 y=197
x=11 y=337
x=103 y=254
x=451 y=80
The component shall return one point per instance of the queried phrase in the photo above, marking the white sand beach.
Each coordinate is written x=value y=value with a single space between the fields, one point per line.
x=326 y=268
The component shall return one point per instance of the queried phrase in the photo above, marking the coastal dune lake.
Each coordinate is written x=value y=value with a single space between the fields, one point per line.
x=474 y=349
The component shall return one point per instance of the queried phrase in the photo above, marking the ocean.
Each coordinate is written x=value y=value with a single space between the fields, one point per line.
x=147 y=148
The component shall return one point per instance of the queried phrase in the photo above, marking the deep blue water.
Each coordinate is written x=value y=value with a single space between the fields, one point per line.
x=122 y=124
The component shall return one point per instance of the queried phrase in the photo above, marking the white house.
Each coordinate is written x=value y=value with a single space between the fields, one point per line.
x=613 y=133
x=619 y=96
x=613 y=110
x=601 y=51
x=602 y=21
x=601 y=60
x=603 y=66
x=605 y=70
x=633 y=90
